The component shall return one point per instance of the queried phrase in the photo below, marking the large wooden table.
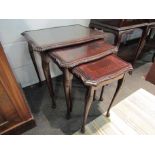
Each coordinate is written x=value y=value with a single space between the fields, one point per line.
x=68 y=46
x=51 y=38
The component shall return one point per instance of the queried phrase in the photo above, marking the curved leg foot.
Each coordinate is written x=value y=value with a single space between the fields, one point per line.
x=119 y=85
x=88 y=102
x=83 y=130
x=107 y=114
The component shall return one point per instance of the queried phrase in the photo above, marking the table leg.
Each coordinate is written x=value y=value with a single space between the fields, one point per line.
x=34 y=63
x=70 y=90
x=88 y=102
x=67 y=88
x=119 y=85
x=101 y=95
x=46 y=70
x=141 y=43
x=94 y=97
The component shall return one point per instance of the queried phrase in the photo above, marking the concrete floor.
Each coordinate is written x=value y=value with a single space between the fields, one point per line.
x=52 y=121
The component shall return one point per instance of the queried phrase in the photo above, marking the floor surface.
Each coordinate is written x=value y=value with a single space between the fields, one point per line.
x=53 y=122
x=134 y=115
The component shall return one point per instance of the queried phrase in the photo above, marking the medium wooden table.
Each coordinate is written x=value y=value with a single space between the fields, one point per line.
x=45 y=41
x=69 y=57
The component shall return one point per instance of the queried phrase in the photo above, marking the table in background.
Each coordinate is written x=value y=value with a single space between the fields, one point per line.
x=119 y=27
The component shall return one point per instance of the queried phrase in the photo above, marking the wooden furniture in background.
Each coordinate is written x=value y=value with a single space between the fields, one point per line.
x=119 y=27
x=15 y=115
x=99 y=73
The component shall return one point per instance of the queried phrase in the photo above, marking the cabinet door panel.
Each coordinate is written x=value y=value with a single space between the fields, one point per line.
x=8 y=113
x=15 y=114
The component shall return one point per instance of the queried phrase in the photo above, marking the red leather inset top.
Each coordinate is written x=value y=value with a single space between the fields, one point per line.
x=103 y=69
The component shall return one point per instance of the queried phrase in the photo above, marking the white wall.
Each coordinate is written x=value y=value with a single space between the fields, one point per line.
x=16 y=47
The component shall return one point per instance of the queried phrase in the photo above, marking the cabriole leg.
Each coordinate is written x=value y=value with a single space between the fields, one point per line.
x=67 y=88
x=119 y=85
x=88 y=102
x=101 y=95
x=46 y=70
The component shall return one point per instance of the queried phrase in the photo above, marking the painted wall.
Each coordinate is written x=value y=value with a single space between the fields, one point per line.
x=16 y=47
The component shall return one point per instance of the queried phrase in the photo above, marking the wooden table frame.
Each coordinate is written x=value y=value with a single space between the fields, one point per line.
x=119 y=32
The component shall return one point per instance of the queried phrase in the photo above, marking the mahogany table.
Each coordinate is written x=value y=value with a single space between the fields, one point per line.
x=48 y=39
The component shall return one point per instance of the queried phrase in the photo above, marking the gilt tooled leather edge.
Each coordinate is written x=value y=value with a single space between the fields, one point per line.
x=82 y=60
x=89 y=82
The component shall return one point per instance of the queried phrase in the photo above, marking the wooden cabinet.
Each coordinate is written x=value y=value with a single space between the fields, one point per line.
x=15 y=115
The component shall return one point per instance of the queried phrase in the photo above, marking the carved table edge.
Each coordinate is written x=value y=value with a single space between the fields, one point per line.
x=72 y=64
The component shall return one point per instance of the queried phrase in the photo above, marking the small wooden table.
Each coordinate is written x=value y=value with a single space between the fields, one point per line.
x=95 y=75
x=44 y=41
